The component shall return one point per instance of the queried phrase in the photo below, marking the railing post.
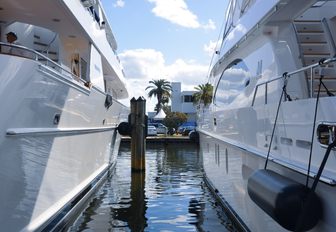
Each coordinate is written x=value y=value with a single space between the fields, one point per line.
x=138 y=134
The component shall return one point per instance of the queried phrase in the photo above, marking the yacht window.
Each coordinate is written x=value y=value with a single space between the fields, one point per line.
x=234 y=80
x=326 y=133
x=245 y=5
x=75 y=64
x=84 y=70
x=96 y=69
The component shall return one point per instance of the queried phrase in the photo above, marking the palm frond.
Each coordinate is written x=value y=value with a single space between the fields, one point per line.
x=160 y=89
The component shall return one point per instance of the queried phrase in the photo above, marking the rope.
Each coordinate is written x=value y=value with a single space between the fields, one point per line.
x=276 y=117
x=321 y=62
x=330 y=94
x=323 y=163
x=330 y=146
x=309 y=197
x=313 y=133
x=287 y=97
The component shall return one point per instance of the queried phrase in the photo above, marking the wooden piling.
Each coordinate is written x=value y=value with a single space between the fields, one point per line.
x=138 y=134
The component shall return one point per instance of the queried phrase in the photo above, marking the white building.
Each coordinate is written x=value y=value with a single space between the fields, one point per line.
x=182 y=101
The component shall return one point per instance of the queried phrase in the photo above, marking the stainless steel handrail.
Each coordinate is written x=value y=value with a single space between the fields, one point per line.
x=289 y=74
x=329 y=35
x=36 y=56
x=297 y=40
x=49 y=45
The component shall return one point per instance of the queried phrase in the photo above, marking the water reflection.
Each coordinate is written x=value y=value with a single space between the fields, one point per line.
x=169 y=196
x=137 y=210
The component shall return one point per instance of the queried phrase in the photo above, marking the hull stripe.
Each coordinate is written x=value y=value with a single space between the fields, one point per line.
x=283 y=163
x=57 y=131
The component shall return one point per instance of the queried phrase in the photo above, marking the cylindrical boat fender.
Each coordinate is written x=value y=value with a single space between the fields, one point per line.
x=124 y=128
x=288 y=202
x=194 y=136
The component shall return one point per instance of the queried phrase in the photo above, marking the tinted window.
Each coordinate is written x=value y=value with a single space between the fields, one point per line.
x=187 y=98
x=232 y=83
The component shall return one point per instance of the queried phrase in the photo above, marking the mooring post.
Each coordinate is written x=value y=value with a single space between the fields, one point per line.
x=138 y=134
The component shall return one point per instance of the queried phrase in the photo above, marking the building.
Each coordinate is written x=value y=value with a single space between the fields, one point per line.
x=182 y=101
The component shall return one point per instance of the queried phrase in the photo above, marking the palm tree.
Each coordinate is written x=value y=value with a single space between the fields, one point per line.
x=161 y=90
x=203 y=94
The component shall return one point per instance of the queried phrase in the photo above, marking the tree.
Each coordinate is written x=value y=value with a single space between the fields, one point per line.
x=175 y=119
x=161 y=90
x=166 y=109
x=203 y=94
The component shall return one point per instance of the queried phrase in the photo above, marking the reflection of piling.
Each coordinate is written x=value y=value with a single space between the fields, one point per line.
x=137 y=220
x=138 y=121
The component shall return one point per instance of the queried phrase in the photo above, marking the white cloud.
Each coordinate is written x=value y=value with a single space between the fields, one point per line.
x=145 y=64
x=189 y=73
x=142 y=65
x=213 y=47
x=177 y=12
x=210 y=48
x=210 y=25
x=119 y=3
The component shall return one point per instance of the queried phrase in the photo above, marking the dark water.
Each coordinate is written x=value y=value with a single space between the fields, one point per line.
x=169 y=196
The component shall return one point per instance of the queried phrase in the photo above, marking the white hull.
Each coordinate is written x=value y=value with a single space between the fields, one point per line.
x=230 y=158
x=272 y=44
x=59 y=88
x=45 y=166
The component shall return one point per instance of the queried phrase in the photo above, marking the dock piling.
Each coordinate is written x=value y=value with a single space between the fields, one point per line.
x=138 y=121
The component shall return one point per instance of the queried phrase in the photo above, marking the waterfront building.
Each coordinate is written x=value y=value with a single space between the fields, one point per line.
x=182 y=101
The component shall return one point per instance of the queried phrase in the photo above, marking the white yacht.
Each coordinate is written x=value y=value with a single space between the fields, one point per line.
x=268 y=138
x=60 y=85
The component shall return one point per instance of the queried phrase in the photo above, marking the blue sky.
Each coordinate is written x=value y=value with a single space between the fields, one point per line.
x=165 y=39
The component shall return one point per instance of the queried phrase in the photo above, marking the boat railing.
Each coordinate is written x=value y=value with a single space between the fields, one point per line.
x=329 y=34
x=50 y=43
x=100 y=18
x=297 y=39
x=22 y=51
x=291 y=75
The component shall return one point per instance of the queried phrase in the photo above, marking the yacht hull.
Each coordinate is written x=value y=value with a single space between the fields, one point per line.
x=238 y=146
x=273 y=108
x=227 y=170
x=58 y=144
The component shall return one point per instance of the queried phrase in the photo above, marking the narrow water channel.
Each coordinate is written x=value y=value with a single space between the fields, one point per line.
x=169 y=196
